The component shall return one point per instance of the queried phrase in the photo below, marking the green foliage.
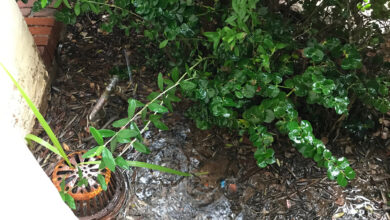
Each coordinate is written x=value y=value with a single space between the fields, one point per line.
x=262 y=65
x=102 y=182
x=128 y=133
x=68 y=199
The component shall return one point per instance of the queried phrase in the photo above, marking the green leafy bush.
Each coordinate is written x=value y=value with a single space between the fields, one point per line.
x=262 y=63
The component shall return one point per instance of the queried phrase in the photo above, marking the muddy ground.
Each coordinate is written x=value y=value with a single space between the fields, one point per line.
x=234 y=188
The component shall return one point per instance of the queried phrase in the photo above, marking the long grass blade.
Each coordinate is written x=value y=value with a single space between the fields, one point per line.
x=43 y=143
x=156 y=167
x=40 y=118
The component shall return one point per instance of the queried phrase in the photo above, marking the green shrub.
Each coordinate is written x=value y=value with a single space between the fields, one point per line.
x=261 y=61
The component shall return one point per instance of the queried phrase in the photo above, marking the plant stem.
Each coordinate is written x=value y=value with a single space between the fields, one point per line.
x=283 y=87
x=115 y=6
x=292 y=90
x=153 y=100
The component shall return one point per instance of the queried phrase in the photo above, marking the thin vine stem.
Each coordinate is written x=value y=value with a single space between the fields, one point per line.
x=153 y=100
x=115 y=6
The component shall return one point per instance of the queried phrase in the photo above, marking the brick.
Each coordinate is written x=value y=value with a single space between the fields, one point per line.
x=46 y=12
x=40 y=21
x=41 y=40
x=25 y=11
x=40 y=30
x=29 y=4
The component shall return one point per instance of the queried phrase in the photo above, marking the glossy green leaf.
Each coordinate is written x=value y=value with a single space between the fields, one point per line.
x=131 y=108
x=269 y=116
x=108 y=159
x=113 y=144
x=96 y=151
x=133 y=126
x=315 y=54
x=158 y=123
x=96 y=135
x=262 y=163
x=349 y=173
x=82 y=180
x=102 y=181
x=249 y=91
x=160 y=82
x=163 y=44
x=152 y=96
x=341 y=180
x=383 y=90
x=317 y=157
x=43 y=3
x=70 y=201
x=137 y=103
x=62 y=185
x=239 y=94
x=327 y=154
x=175 y=74
x=342 y=163
x=168 y=104
x=57 y=3
x=214 y=37
x=127 y=133
x=187 y=85
x=154 y=107
x=293 y=125
x=121 y=163
x=102 y=165
x=351 y=63
x=271 y=91
x=106 y=133
x=140 y=147
x=121 y=122
x=77 y=8
x=66 y=2
x=94 y=8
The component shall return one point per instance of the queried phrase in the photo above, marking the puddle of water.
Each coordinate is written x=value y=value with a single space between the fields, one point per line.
x=230 y=195
x=165 y=196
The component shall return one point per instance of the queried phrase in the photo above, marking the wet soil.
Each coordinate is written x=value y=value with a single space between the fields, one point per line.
x=232 y=187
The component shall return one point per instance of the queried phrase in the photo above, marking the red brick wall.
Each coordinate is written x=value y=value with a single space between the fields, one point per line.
x=44 y=28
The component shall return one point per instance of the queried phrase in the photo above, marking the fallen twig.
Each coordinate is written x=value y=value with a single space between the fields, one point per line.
x=103 y=98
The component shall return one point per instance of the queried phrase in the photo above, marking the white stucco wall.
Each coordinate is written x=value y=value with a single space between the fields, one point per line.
x=25 y=190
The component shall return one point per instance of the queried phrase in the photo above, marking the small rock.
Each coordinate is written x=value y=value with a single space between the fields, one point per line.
x=233 y=187
x=84 y=34
x=66 y=147
x=384 y=135
x=377 y=133
x=348 y=150
x=340 y=201
x=337 y=215
x=288 y=203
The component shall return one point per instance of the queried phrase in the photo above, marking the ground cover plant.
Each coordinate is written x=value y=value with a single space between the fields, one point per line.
x=257 y=67
x=124 y=135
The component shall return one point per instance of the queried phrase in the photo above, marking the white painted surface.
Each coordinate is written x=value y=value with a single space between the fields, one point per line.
x=25 y=190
